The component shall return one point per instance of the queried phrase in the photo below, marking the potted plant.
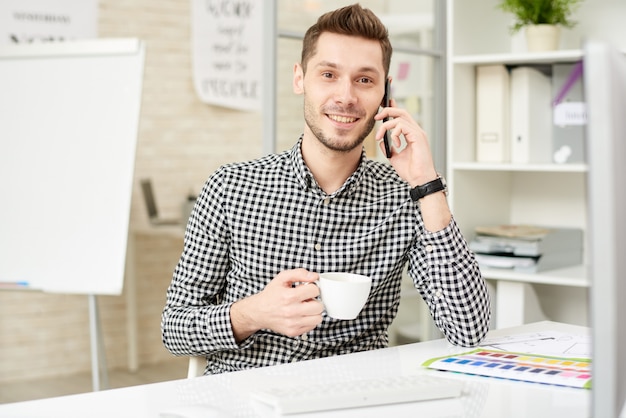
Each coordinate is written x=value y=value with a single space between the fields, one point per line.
x=542 y=20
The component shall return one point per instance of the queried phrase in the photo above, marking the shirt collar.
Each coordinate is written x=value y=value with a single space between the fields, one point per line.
x=305 y=178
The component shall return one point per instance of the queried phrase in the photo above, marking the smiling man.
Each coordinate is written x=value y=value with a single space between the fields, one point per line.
x=262 y=231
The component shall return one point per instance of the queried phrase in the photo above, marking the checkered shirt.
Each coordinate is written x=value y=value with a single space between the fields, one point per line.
x=255 y=219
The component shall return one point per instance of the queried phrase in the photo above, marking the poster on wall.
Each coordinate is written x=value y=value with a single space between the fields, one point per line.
x=227 y=52
x=28 y=21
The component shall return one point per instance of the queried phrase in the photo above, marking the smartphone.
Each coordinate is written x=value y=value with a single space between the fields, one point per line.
x=386 y=101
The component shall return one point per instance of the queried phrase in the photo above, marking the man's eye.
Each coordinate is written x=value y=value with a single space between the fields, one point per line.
x=365 y=80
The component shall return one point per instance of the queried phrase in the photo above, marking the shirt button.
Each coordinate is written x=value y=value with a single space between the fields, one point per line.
x=429 y=248
x=326 y=201
x=438 y=293
x=318 y=247
x=304 y=337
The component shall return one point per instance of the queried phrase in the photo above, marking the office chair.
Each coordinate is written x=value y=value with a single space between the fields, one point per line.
x=196 y=366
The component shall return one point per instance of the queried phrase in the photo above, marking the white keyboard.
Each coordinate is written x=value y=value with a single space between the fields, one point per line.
x=357 y=393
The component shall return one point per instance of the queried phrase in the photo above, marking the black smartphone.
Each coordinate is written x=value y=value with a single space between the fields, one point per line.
x=386 y=101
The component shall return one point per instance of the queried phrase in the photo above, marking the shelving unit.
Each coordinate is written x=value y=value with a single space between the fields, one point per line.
x=539 y=194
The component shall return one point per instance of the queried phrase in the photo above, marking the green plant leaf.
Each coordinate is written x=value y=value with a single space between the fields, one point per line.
x=537 y=12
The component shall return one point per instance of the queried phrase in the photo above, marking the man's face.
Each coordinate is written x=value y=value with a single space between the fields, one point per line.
x=343 y=88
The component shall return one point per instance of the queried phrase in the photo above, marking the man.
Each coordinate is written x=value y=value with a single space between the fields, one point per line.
x=262 y=231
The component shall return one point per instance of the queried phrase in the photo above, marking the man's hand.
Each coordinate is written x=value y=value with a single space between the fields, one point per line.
x=414 y=163
x=287 y=305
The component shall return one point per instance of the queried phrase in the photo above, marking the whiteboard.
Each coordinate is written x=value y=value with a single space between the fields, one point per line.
x=69 y=115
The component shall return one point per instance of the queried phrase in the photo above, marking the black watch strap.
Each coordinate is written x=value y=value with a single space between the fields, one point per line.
x=431 y=187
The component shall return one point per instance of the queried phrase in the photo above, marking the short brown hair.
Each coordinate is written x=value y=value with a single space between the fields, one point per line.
x=351 y=20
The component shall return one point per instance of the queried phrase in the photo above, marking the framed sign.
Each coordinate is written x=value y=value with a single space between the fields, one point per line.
x=227 y=52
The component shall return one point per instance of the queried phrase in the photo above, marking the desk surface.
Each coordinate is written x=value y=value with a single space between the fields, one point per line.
x=482 y=397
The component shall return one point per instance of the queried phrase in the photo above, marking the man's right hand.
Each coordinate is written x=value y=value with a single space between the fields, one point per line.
x=287 y=305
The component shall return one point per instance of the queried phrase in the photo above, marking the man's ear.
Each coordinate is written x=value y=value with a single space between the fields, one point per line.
x=298 y=79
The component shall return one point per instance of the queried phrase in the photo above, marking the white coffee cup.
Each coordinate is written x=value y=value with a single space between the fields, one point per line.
x=344 y=294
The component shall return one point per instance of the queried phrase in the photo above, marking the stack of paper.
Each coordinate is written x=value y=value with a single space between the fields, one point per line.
x=527 y=249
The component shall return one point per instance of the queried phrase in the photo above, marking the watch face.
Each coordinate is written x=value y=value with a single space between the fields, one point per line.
x=444 y=185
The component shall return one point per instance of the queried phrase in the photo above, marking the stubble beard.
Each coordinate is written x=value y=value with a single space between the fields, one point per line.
x=331 y=143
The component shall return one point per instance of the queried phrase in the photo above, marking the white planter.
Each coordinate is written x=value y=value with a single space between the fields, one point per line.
x=542 y=37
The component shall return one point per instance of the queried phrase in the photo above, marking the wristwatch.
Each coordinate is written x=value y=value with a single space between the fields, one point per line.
x=437 y=185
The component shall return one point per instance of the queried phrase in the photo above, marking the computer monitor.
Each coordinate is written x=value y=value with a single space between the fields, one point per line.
x=604 y=81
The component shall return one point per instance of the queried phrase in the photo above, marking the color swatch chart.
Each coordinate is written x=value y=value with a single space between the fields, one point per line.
x=518 y=366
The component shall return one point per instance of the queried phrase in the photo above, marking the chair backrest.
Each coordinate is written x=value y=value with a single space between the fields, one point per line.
x=196 y=367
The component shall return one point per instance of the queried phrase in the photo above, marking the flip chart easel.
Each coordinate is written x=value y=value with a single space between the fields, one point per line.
x=69 y=116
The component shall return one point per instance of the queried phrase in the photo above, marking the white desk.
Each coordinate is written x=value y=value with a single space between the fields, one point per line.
x=482 y=397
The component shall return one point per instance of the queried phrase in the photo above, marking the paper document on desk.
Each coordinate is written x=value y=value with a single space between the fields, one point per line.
x=548 y=343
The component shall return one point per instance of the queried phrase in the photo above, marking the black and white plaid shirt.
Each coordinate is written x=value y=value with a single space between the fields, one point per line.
x=255 y=219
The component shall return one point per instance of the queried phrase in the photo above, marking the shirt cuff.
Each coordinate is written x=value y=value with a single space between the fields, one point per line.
x=445 y=246
x=221 y=332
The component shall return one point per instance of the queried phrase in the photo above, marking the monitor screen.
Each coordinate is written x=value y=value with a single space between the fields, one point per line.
x=604 y=80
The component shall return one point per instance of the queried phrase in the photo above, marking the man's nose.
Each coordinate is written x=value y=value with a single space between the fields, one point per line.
x=345 y=93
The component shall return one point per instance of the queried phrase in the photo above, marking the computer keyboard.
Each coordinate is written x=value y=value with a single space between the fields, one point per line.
x=357 y=393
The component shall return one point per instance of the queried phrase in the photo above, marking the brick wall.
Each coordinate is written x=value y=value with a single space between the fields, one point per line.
x=181 y=141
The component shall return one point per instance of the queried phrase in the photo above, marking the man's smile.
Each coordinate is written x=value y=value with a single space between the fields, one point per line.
x=342 y=119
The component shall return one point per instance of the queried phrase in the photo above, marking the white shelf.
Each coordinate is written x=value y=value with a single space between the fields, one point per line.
x=575 y=276
x=556 y=168
x=501 y=193
x=520 y=58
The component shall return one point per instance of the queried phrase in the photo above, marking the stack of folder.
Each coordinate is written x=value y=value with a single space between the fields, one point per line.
x=517 y=120
x=527 y=249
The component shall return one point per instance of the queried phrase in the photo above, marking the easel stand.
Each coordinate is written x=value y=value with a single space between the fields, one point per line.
x=50 y=83
x=98 y=355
